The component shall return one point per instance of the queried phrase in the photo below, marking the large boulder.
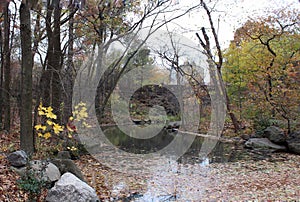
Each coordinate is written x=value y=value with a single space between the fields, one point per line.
x=44 y=170
x=18 y=158
x=67 y=165
x=275 y=134
x=69 y=189
x=293 y=142
x=294 y=147
x=263 y=143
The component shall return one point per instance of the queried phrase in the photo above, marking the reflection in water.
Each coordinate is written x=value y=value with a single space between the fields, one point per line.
x=135 y=145
x=223 y=152
x=184 y=179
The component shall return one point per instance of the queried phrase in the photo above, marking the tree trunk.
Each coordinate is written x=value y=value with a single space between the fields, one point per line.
x=26 y=136
x=233 y=118
x=105 y=88
x=69 y=74
x=6 y=64
x=56 y=62
x=45 y=81
x=1 y=80
x=51 y=82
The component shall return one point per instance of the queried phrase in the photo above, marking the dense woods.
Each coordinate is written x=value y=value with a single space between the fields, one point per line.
x=43 y=44
x=47 y=47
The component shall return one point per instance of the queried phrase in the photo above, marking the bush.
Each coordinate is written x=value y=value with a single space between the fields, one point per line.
x=261 y=122
x=32 y=184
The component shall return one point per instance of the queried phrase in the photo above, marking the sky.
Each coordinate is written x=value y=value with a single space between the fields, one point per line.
x=231 y=14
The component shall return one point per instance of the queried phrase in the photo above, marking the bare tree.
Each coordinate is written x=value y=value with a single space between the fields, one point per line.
x=6 y=66
x=206 y=45
x=120 y=65
x=69 y=70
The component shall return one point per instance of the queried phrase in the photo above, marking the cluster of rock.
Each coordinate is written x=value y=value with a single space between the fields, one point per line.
x=66 y=178
x=274 y=139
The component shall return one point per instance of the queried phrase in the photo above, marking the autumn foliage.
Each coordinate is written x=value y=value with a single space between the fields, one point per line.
x=262 y=69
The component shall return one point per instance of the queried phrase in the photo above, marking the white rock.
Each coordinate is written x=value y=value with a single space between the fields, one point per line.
x=69 y=188
x=48 y=173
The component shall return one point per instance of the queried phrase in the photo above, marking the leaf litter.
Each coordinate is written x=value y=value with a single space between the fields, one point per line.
x=275 y=179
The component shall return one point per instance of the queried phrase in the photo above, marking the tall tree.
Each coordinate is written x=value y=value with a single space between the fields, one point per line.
x=216 y=74
x=69 y=70
x=53 y=78
x=51 y=82
x=1 y=78
x=26 y=132
x=45 y=81
x=56 y=63
x=6 y=65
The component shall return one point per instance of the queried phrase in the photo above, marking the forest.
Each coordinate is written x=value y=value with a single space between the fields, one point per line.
x=149 y=100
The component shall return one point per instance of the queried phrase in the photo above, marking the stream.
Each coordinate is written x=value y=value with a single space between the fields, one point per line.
x=170 y=179
x=174 y=163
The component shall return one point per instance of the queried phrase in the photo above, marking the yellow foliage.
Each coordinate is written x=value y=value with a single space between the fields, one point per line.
x=57 y=128
x=41 y=113
x=40 y=127
x=51 y=115
x=49 y=122
x=41 y=108
x=47 y=111
x=72 y=148
x=47 y=135
x=51 y=127
x=80 y=112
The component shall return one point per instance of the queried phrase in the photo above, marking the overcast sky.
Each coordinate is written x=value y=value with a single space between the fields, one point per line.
x=232 y=14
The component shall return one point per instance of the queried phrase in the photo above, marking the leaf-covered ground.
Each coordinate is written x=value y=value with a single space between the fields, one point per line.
x=274 y=180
